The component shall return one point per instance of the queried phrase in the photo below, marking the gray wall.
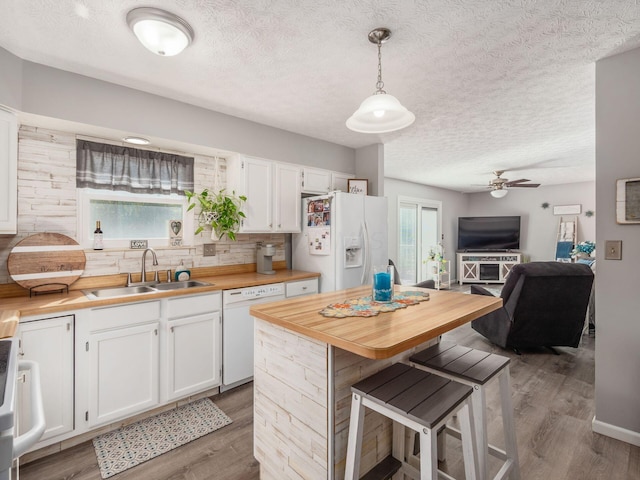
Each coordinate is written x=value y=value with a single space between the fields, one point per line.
x=618 y=303
x=41 y=90
x=539 y=226
x=370 y=165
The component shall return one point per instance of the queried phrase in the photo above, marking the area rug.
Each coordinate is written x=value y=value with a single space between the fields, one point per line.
x=141 y=441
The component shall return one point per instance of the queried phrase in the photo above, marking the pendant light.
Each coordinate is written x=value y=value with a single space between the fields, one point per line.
x=381 y=112
x=160 y=31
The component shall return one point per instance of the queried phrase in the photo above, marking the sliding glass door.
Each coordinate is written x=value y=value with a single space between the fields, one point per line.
x=419 y=227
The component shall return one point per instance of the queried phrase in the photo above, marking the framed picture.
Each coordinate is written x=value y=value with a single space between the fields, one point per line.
x=567 y=209
x=628 y=200
x=359 y=186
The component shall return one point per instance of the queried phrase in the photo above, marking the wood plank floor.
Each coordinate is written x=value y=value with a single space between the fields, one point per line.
x=553 y=402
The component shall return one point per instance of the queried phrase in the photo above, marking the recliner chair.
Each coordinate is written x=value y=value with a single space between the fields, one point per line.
x=544 y=305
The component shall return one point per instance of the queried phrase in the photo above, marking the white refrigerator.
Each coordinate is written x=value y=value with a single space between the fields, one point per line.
x=343 y=236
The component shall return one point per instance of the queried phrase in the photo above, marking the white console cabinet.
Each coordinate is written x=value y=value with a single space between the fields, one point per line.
x=486 y=267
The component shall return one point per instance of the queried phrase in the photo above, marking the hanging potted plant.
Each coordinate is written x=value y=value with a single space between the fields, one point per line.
x=220 y=210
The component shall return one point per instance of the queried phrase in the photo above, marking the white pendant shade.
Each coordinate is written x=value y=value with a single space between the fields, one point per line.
x=380 y=113
x=499 y=193
x=160 y=32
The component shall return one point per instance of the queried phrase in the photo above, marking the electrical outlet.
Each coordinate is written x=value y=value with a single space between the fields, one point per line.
x=613 y=250
x=209 y=250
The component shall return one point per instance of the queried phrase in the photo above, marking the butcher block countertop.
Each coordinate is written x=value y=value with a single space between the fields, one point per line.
x=12 y=308
x=384 y=335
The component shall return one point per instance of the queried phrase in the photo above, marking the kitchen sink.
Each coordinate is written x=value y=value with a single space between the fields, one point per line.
x=141 y=289
x=180 y=285
x=119 y=291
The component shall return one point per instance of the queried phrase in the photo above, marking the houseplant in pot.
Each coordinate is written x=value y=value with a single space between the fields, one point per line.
x=221 y=210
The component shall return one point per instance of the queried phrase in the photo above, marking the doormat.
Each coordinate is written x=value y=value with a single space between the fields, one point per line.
x=134 y=444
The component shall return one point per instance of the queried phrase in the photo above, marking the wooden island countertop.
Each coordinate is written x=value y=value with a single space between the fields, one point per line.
x=381 y=336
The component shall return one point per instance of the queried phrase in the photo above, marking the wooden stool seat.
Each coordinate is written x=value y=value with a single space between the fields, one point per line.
x=476 y=369
x=418 y=400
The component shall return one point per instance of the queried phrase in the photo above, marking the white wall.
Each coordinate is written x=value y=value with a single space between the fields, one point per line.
x=617 y=301
x=454 y=205
x=539 y=226
x=10 y=80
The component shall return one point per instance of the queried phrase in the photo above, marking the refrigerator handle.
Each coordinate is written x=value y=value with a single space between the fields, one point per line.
x=367 y=254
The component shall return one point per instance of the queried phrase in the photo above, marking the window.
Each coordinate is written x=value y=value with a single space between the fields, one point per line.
x=419 y=226
x=125 y=216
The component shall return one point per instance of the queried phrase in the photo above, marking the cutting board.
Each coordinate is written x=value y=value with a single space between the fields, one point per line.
x=46 y=261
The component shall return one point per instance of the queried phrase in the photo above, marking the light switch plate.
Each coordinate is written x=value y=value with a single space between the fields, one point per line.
x=613 y=250
x=209 y=250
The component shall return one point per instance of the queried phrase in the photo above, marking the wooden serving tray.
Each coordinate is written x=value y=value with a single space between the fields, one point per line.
x=46 y=262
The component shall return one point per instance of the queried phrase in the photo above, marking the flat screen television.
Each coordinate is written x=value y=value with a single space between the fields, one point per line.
x=488 y=233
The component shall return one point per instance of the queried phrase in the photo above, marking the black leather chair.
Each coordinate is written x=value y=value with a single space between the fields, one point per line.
x=396 y=273
x=544 y=305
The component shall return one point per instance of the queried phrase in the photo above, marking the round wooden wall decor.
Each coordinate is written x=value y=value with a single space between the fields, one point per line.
x=46 y=261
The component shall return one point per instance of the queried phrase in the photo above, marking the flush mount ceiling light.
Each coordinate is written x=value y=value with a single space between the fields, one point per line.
x=499 y=192
x=160 y=31
x=136 y=140
x=381 y=112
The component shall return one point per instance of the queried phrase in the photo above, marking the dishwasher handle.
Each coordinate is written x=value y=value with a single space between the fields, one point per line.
x=24 y=442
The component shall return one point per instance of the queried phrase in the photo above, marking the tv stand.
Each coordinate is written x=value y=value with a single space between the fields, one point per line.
x=486 y=267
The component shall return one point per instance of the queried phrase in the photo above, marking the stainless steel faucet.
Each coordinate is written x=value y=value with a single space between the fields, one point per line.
x=143 y=272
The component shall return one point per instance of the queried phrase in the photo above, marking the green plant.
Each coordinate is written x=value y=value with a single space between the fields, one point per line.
x=220 y=210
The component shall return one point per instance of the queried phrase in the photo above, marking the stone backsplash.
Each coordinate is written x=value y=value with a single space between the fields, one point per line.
x=47 y=202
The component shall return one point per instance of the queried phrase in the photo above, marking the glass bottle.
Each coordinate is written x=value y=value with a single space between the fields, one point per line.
x=97 y=237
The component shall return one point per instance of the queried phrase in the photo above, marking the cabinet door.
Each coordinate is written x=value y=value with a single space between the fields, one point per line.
x=193 y=354
x=123 y=367
x=49 y=342
x=8 y=173
x=316 y=180
x=287 y=198
x=258 y=189
x=340 y=181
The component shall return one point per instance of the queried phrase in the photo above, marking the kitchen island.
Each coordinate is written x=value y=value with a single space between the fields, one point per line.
x=305 y=364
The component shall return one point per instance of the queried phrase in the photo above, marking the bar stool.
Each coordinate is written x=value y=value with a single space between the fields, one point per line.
x=476 y=369
x=420 y=401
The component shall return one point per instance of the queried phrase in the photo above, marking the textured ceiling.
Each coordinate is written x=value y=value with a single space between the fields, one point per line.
x=494 y=84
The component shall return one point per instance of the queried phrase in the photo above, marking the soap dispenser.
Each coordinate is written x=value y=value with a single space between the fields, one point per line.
x=182 y=274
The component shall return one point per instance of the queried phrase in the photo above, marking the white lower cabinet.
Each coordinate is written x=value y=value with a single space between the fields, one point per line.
x=193 y=360
x=124 y=366
x=49 y=342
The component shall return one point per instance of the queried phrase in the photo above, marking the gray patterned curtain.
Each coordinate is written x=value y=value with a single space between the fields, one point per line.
x=112 y=167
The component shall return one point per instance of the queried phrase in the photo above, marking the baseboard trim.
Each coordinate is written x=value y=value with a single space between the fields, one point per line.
x=618 y=433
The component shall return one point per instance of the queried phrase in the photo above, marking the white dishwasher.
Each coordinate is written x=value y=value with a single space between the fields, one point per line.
x=237 y=330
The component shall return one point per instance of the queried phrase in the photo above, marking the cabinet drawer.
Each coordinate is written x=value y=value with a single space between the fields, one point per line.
x=193 y=305
x=124 y=315
x=303 y=287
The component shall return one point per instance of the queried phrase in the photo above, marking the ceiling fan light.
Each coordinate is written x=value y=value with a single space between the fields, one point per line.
x=380 y=113
x=499 y=193
x=161 y=32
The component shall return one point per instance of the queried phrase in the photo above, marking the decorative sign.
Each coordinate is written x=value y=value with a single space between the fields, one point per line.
x=628 y=200
x=358 y=186
x=138 y=244
x=567 y=209
x=175 y=233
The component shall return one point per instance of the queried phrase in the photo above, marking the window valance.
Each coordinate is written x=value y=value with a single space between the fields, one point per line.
x=114 y=167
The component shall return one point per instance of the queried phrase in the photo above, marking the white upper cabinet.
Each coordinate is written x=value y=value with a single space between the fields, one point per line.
x=340 y=181
x=8 y=173
x=316 y=180
x=287 y=198
x=273 y=194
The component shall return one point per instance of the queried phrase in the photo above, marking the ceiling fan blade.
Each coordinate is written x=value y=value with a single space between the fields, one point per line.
x=525 y=185
x=511 y=182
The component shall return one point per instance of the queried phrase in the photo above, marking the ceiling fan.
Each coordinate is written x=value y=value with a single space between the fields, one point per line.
x=500 y=185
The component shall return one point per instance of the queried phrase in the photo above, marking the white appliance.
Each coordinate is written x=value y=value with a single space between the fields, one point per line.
x=237 y=330
x=344 y=235
x=11 y=446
